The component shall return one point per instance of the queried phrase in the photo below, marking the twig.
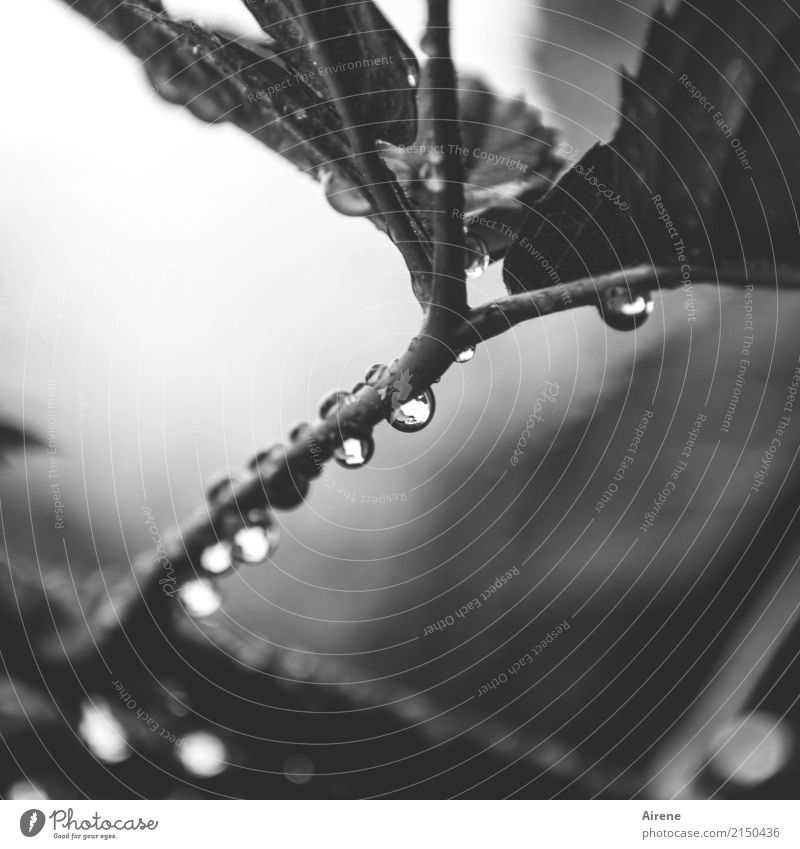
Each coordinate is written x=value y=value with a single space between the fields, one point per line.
x=448 y=287
x=496 y=317
x=284 y=472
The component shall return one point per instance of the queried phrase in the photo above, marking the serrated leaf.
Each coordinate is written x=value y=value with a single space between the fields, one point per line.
x=706 y=139
x=378 y=71
x=219 y=79
x=506 y=150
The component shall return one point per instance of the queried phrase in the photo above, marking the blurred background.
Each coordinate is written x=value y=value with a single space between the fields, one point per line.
x=174 y=298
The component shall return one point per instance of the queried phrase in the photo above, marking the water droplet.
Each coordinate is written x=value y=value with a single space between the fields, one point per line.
x=24 y=790
x=217 y=559
x=374 y=373
x=203 y=754
x=354 y=453
x=219 y=486
x=254 y=544
x=750 y=750
x=431 y=177
x=298 y=769
x=466 y=355
x=262 y=519
x=624 y=311
x=477 y=255
x=103 y=732
x=411 y=66
x=199 y=597
x=297 y=431
x=414 y=414
x=344 y=197
x=330 y=402
x=177 y=699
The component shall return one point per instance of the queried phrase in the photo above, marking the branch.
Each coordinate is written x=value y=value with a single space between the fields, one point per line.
x=448 y=287
x=496 y=317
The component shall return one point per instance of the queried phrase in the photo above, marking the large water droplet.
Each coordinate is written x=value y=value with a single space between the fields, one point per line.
x=254 y=544
x=624 y=311
x=199 y=597
x=354 y=452
x=203 y=754
x=217 y=559
x=466 y=355
x=414 y=414
x=103 y=732
x=344 y=197
x=477 y=257
x=330 y=402
x=752 y=749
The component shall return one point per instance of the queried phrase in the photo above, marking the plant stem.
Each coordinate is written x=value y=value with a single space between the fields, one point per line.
x=448 y=287
x=496 y=317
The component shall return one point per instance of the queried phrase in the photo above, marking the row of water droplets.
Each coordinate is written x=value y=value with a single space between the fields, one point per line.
x=254 y=540
x=200 y=753
x=246 y=540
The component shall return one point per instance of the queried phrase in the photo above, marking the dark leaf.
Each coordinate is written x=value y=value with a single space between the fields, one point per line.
x=707 y=140
x=507 y=151
x=377 y=70
x=220 y=79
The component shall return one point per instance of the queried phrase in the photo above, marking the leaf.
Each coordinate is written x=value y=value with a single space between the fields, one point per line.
x=506 y=150
x=378 y=71
x=220 y=79
x=703 y=168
